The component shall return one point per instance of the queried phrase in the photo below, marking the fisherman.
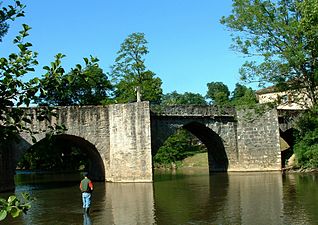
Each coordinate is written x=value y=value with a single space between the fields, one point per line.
x=86 y=187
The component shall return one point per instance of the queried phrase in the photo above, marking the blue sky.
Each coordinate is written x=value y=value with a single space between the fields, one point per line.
x=188 y=46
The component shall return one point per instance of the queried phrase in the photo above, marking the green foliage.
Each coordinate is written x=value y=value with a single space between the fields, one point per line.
x=187 y=98
x=16 y=92
x=281 y=39
x=13 y=91
x=218 y=92
x=10 y=12
x=82 y=86
x=15 y=206
x=178 y=147
x=306 y=150
x=130 y=75
x=306 y=147
x=243 y=96
x=53 y=154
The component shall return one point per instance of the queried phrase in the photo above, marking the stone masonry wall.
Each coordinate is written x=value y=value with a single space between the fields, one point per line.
x=250 y=140
x=258 y=141
x=120 y=133
x=130 y=143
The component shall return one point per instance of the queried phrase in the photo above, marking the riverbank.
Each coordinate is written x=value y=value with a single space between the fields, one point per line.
x=200 y=160
x=300 y=170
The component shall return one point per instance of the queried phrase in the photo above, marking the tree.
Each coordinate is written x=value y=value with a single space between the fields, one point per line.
x=243 y=96
x=81 y=86
x=177 y=147
x=11 y=12
x=54 y=154
x=280 y=36
x=306 y=147
x=218 y=92
x=132 y=79
x=91 y=87
x=187 y=98
x=14 y=92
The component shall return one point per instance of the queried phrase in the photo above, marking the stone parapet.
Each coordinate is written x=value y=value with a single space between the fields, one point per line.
x=192 y=111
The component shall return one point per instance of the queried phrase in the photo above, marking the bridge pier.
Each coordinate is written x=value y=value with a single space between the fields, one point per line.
x=130 y=158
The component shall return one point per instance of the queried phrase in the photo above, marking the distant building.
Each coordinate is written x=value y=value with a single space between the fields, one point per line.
x=289 y=100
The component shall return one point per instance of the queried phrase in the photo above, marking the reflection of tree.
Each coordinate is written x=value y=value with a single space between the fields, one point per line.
x=181 y=198
x=217 y=199
x=300 y=195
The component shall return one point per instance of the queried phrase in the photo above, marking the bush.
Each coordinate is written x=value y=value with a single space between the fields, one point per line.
x=306 y=147
x=178 y=147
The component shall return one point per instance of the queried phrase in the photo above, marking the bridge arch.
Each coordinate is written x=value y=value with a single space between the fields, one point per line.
x=95 y=168
x=162 y=128
x=218 y=160
x=287 y=143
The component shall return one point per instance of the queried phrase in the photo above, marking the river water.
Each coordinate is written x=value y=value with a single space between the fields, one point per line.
x=182 y=197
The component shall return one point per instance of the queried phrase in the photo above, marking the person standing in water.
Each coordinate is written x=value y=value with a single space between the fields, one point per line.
x=86 y=187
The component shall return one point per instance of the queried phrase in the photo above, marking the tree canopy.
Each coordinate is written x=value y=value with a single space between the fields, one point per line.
x=81 y=86
x=218 y=92
x=7 y=13
x=188 y=98
x=14 y=92
x=132 y=80
x=280 y=36
x=243 y=96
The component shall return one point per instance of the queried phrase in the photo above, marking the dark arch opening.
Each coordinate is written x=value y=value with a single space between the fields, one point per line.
x=85 y=151
x=287 y=151
x=218 y=160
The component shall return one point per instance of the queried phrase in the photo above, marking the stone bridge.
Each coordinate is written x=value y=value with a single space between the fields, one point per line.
x=120 y=140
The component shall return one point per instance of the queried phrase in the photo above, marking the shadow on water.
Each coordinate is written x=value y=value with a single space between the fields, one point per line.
x=28 y=180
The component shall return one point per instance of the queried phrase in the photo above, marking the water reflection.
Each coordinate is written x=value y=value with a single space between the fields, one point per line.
x=234 y=198
x=180 y=198
x=87 y=219
x=300 y=197
x=127 y=203
x=256 y=196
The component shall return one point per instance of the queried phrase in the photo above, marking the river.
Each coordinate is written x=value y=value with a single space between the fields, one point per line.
x=183 y=197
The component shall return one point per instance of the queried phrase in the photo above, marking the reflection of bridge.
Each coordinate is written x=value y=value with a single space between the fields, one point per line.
x=121 y=139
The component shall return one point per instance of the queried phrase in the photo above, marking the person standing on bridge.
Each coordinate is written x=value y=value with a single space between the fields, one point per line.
x=86 y=187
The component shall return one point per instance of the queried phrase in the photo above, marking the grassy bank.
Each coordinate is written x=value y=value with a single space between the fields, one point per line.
x=199 y=160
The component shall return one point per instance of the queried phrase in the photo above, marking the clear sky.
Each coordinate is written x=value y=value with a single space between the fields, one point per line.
x=188 y=46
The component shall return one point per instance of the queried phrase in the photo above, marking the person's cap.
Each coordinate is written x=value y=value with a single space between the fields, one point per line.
x=85 y=174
